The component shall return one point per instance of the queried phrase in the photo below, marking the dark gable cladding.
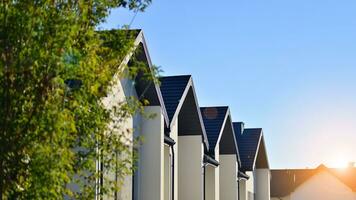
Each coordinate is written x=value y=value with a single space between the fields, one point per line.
x=247 y=143
x=181 y=102
x=286 y=181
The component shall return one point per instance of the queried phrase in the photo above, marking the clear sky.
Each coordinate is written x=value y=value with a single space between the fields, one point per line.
x=288 y=67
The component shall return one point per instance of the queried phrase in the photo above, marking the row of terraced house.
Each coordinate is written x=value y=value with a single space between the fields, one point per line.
x=189 y=152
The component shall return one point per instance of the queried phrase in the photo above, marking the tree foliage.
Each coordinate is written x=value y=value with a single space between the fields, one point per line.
x=55 y=71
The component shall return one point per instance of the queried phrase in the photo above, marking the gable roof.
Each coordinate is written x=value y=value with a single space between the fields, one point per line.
x=284 y=182
x=250 y=142
x=146 y=89
x=180 y=101
x=218 y=125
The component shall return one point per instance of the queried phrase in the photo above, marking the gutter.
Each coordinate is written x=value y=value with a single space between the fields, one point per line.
x=242 y=175
x=204 y=180
x=210 y=160
x=238 y=188
x=207 y=160
x=169 y=141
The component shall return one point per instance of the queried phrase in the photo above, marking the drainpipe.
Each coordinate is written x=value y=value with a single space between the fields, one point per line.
x=238 y=188
x=172 y=149
x=171 y=143
x=207 y=160
x=204 y=179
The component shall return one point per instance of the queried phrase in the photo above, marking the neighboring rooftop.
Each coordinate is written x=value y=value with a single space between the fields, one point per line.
x=285 y=181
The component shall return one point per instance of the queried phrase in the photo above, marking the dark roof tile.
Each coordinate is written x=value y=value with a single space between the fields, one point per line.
x=172 y=89
x=213 y=118
x=247 y=144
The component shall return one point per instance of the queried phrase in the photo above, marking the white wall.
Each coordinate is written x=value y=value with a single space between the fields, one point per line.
x=210 y=183
x=323 y=186
x=242 y=189
x=151 y=157
x=228 y=177
x=212 y=176
x=262 y=184
x=117 y=94
x=190 y=171
x=250 y=185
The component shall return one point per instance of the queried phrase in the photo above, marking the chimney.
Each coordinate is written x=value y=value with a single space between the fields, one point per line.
x=242 y=127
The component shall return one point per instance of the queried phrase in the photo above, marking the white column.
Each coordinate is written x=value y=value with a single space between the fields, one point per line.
x=167 y=172
x=151 y=157
x=190 y=171
x=228 y=177
x=262 y=183
x=210 y=183
x=242 y=190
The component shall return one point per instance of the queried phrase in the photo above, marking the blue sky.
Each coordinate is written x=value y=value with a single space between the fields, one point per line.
x=286 y=66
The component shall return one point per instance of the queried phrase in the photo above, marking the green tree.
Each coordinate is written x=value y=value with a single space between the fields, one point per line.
x=55 y=71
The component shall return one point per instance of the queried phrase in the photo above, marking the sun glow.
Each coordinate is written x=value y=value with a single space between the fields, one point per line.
x=339 y=162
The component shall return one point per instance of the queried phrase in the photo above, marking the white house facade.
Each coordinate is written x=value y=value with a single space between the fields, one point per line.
x=148 y=180
x=187 y=152
x=221 y=181
x=191 y=141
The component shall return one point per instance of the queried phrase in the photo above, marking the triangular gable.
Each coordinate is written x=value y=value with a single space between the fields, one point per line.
x=145 y=89
x=181 y=102
x=251 y=147
x=218 y=124
x=261 y=160
x=150 y=90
